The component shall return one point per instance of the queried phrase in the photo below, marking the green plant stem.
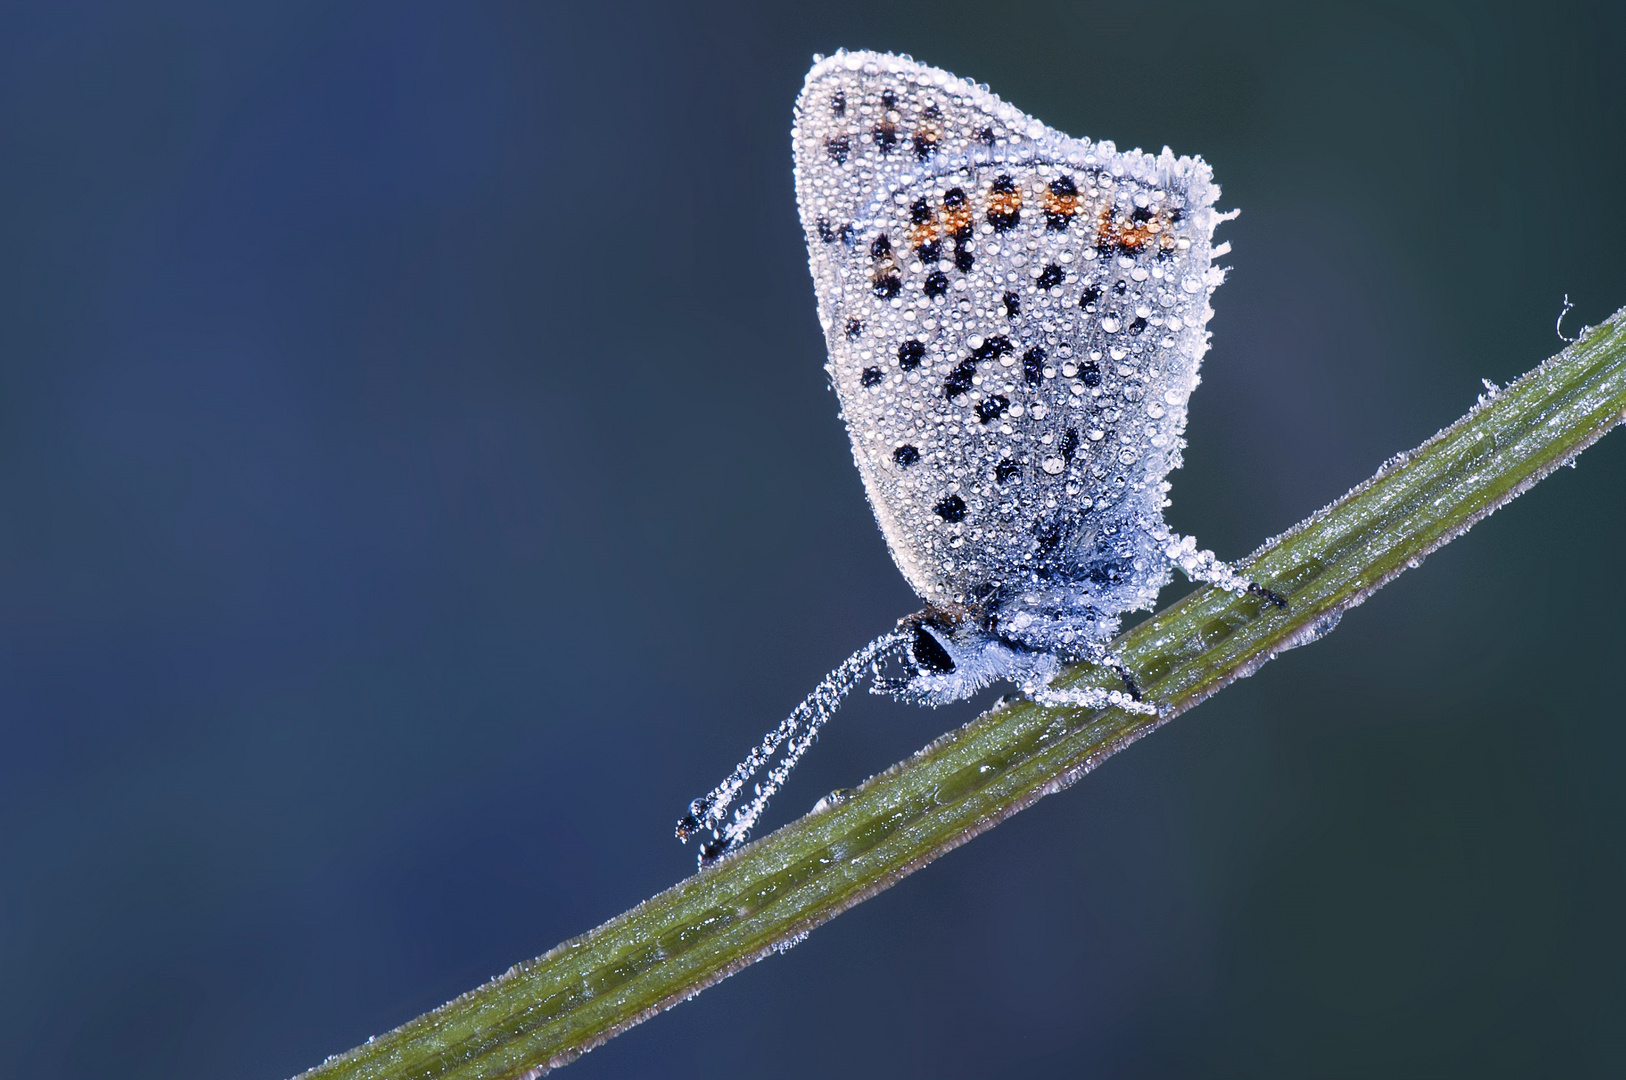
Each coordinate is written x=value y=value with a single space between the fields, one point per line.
x=545 y=1012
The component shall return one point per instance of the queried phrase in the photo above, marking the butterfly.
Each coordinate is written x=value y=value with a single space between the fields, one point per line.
x=1015 y=319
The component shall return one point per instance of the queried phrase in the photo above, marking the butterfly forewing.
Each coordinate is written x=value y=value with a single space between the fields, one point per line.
x=1014 y=318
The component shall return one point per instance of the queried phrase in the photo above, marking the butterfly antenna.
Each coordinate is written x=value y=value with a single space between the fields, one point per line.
x=795 y=734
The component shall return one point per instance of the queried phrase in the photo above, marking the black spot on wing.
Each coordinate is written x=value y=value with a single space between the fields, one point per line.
x=887 y=282
x=992 y=348
x=991 y=408
x=1033 y=366
x=1062 y=204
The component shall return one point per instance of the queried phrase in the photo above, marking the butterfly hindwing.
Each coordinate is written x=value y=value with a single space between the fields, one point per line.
x=1014 y=319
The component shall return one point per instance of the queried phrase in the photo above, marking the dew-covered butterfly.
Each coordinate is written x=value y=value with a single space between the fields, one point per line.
x=1015 y=319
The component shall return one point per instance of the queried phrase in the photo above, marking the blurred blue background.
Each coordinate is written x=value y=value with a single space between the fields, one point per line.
x=417 y=480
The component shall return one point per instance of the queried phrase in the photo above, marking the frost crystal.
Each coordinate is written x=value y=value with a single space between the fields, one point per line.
x=1015 y=320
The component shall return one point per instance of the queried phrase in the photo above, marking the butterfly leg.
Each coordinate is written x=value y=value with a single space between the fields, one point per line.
x=1088 y=697
x=1203 y=566
x=1093 y=697
x=794 y=735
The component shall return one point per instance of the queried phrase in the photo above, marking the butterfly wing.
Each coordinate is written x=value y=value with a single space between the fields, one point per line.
x=1015 y=320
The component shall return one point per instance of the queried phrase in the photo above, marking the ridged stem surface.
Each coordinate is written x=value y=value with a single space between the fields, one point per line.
x=545 y=1012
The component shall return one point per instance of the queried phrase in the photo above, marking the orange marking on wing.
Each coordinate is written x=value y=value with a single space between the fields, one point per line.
x=1060 y=205
x=1004 y=202
x=925 y=141
x=1131 y=234
x=1103 y=225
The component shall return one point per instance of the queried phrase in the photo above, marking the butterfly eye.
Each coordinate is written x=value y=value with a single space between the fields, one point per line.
x=928 y=654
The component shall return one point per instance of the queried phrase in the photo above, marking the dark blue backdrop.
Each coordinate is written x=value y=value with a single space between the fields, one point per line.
x=417 y=480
